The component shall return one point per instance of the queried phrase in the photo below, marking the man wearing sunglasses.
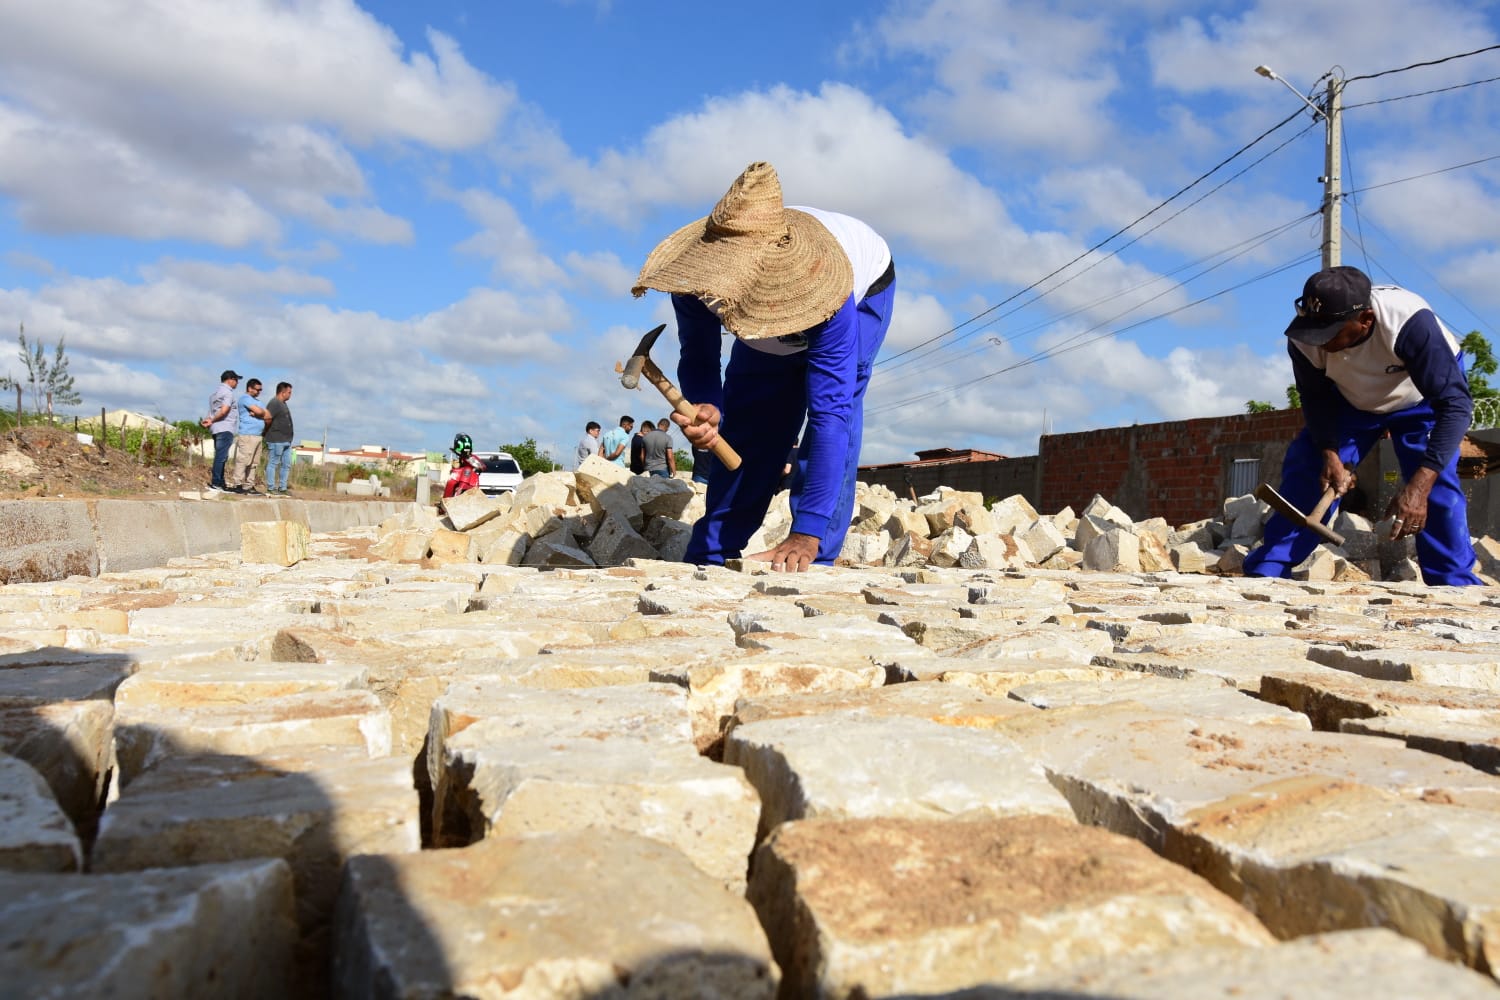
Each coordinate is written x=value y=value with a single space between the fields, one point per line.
x=1370 y=360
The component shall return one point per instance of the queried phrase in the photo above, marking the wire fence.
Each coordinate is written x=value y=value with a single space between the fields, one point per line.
x=1486 y=412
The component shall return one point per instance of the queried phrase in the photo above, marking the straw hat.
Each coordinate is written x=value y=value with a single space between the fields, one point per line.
x=767 y=270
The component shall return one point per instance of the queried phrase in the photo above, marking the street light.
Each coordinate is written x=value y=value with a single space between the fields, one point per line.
x=1270 y=74
x=1332 y=160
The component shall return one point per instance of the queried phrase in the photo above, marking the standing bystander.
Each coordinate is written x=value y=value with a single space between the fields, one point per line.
x=220 y=423
x=617 y=441
x=588 y=444
x=659 y=460
x=249 y=432
x=279 y=440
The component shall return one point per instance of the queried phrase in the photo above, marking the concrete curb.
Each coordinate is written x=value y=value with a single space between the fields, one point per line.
x=44 y=540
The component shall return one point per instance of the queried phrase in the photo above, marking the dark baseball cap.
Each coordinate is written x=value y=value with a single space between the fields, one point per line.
x=1329 y=299
x=229 y=373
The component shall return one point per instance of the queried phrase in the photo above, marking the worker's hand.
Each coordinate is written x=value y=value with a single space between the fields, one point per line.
x=1335 y=475
x=1409 y=507
x=703 y=430
x=792 y=556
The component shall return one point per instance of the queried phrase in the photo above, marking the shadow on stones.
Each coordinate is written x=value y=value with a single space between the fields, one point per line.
x=48 y=720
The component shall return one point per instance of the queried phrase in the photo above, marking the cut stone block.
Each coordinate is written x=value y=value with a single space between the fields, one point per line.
x=598 y=474
x=146 y=734
x=578 y=914
x=53 y=675
x=206 y=931
x=1458 y=668
x=1139 y=773
x=450 y=547
x=944 y=703
x=839 y=767
x=1013 y=514
x=501 y=547
x=35 y=834
x=1330 y=699
x=469 y=510
x=1198 y=697
x=476 y=714
x=949 y=546
x=616 y=542
x=997 y=678
x=280 y=543
x=1476 y=743
x=406 y=545
x=190 y=685
x=547 y=489
x=862 y=549
x=71 y=745
x=1117 y=550
x=1370 y=964
x=901 y=907
x=1043 y=539
x=1315 y=854
x=1243 y=662
x=714 y=689
x=313 y=810
x=669 y=793
x=556 y=550
x=1003 y=552
x=661 y=497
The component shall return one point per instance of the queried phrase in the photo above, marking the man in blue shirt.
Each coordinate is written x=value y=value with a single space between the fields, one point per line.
x=221 y=423
x=248 y=434
x=807 y=294
x=617 y=442
x=1371 y=360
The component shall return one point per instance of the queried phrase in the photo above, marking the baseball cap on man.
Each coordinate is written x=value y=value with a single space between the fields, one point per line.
x=1329 y=299
x=228 y=373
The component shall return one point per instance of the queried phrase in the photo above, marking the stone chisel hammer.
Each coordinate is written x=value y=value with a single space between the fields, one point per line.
x=640 y=363
x=1313 y=521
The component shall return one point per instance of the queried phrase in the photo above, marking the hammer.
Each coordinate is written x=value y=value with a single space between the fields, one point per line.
x=1313 y=521
x=640 y=363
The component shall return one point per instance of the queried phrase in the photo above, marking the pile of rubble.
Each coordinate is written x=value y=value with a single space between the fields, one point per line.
x=601 y=515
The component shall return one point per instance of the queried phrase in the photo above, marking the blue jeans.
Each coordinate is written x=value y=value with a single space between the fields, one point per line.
x=1443 y=548
x=280 y=453
x=659 y=472
x=772 y=390
x=223 y=441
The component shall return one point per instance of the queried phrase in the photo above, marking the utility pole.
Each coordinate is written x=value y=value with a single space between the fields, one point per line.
x=1333 y=196
x=1332 y=179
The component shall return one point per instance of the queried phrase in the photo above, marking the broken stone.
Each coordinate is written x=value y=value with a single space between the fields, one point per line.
x=469 y=510
x=1043 y=539
x=555 y=550
x=1117 y=550
x=35 y=835
x=996 y=552
x=616 y=542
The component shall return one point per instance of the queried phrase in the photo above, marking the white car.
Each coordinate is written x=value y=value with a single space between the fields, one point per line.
x=502 y=473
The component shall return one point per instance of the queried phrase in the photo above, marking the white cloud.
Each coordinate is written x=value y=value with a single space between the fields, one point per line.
x=505 y=240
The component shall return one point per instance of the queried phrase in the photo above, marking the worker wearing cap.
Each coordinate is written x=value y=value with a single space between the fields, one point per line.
x=807 y=294
x=1371 y=360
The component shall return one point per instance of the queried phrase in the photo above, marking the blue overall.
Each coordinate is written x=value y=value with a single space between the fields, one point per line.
x=763 y=402
x=1443 y=548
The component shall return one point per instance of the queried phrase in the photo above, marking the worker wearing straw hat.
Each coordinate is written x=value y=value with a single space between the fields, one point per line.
x=807 y=294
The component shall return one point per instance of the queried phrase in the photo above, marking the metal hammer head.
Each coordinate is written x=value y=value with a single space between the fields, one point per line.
x=631 y=376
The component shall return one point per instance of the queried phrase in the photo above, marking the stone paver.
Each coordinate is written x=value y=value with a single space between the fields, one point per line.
x=551 y=781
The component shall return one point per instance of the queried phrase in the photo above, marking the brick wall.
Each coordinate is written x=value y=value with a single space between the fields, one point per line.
x=1177 y=470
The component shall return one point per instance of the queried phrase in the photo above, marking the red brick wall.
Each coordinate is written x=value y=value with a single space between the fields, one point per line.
x=1177 y=470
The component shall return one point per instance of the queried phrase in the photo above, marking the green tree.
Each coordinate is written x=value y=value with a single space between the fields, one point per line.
x=48 y=381
x=530 y=458
x=1257 y=406
x=684 y=459
x=1293 y=397
x=1482 y=365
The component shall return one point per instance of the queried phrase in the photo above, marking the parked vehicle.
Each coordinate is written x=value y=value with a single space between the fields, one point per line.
x=501 y=472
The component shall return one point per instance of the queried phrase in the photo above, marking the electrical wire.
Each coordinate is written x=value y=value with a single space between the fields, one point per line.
x=1417 y=263
x=1420 y=65
x=1202 y=177
x=1430 y=173
x=1420 y=93
x=1060 y=349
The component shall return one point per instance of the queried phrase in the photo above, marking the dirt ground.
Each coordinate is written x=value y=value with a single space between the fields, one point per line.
x=51 y=463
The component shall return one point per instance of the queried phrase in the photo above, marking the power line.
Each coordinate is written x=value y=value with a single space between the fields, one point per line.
x=1417 y=263
x=1421 y=93
x=1060 y=349
x=1430 y=173
x=1202 y=177
x=1430 y=62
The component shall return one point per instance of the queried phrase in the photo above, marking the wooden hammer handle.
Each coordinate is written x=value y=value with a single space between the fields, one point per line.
x=720 y=447
x=1322 y=508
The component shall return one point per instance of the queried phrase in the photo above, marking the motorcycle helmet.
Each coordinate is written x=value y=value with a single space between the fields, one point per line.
x=462 y=445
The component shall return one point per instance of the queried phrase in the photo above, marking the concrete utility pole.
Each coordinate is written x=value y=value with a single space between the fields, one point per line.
x=1332 y=179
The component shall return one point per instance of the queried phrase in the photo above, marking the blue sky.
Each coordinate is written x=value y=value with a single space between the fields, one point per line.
x=428 y=216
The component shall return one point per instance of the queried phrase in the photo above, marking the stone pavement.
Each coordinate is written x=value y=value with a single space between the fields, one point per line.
x=355 y=776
